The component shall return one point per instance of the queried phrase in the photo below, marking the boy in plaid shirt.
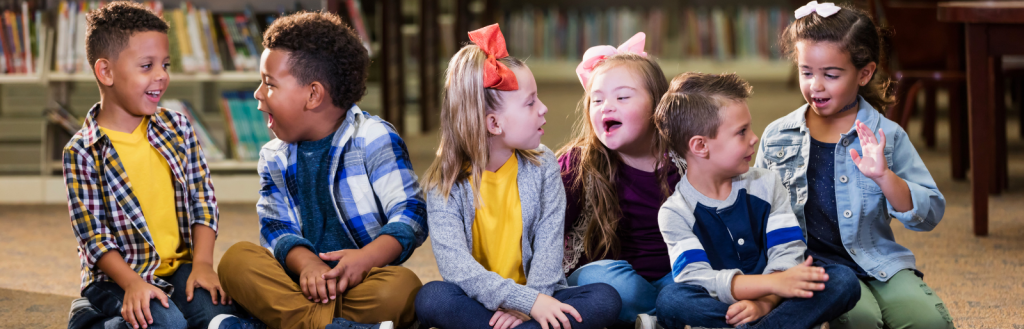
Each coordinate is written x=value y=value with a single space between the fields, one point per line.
x=339 y=200
x=139 y=192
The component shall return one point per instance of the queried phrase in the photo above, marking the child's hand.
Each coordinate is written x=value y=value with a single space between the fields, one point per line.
x=313 y=284
x=746 y=311
x=547 y=309
x=353 y=264
x=873 y=163
x=505 y=319
x=135 y=307
x=203 y=276
x=799 y=281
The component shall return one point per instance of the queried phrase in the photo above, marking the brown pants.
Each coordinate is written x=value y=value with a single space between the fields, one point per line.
x=256 y=280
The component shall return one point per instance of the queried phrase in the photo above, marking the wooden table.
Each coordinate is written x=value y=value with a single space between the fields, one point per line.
x=993 y=29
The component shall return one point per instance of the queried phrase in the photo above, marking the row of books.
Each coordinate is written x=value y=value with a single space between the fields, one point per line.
x=720 y=33
x=20 y=38
x=200 y=41
x=245 y=127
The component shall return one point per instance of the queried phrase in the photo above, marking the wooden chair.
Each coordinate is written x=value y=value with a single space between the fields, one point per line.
x=929 y=55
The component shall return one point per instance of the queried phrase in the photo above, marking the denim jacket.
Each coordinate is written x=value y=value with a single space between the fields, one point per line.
x=864 y=213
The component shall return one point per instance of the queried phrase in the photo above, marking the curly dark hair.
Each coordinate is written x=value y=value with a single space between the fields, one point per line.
x=323 y=49
x=110 y=27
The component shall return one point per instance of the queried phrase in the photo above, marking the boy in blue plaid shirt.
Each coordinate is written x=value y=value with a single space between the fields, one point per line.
x=139 y=192
x=339 y=200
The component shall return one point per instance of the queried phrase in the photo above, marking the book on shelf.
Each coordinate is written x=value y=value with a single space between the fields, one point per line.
x=200 y=41
x=708 y=32
x=245 y=125
x=210 y=149
x=20 y=38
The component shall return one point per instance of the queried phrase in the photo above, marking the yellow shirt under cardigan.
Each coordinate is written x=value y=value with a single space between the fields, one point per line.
x=498 y=226
x=152 y=184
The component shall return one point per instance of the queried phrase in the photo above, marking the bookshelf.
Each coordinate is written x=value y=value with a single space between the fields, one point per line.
x=52 y=74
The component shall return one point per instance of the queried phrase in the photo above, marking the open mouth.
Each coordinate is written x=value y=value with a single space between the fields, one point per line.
x=270 y=120
x=612 y=125
x=820 y=102
x=154 y=95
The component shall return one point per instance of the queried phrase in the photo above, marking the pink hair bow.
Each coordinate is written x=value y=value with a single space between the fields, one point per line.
x=824 y=9
x=597 y=54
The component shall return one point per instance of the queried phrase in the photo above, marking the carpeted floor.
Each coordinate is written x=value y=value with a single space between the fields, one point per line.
x=980 y=279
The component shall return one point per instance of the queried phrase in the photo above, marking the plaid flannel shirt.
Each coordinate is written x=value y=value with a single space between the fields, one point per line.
x=105 y=214
x=371 y=181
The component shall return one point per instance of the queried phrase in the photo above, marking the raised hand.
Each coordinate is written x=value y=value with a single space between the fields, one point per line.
x=872 y=164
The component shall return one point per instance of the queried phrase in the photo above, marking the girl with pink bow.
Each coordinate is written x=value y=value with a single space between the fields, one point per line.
x=495 y=205
x=616 y=180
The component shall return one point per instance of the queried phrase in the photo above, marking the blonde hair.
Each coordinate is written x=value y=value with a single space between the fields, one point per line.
x=465 y=104
x=595 y=166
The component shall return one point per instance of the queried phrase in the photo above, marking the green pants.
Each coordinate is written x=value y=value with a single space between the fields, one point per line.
x=905 y=301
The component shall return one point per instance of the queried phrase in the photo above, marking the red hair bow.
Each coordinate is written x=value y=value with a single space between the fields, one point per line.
x=492 y=42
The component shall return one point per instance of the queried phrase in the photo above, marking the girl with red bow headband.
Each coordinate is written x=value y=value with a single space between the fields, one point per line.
x=616 y=179
x=495 y=205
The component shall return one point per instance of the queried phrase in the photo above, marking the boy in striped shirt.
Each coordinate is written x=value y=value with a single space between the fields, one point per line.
x=736 y=248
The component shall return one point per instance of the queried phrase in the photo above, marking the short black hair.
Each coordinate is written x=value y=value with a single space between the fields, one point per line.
x=323 y=49
x=110 y=27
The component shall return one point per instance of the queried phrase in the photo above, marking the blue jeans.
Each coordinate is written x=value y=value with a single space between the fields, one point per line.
x=106 y=298
x=683 y=304
x=638 y=295
x=444 y=305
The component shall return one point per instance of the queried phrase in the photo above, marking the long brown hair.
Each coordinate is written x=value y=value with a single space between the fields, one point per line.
x=595 y=166
x=464 y=150
x=853 y=31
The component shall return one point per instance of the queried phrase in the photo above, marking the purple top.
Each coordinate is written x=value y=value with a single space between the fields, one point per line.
x=640 y=198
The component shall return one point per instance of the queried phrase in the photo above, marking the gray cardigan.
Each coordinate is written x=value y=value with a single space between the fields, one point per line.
x=543 y=201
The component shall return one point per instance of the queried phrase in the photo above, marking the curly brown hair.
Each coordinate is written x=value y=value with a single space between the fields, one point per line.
x=110 y=27
x=691 y=107
x=323 y=49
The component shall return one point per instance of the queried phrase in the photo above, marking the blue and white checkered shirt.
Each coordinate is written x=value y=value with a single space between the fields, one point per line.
x=372 y=183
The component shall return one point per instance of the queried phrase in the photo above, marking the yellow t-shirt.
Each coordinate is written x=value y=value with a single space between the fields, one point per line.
x=152 y=184
x=498 y=226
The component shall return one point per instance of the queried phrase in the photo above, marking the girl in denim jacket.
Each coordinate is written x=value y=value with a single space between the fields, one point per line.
x=846 y=183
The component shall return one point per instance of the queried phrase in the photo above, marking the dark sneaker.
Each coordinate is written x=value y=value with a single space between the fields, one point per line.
x=228 y=321
x=341 y=323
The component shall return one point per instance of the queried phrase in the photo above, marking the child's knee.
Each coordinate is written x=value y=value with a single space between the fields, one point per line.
x=607 y=300
x=843 y=284
x=400 y=285
x=166 y=317
x=600 y=271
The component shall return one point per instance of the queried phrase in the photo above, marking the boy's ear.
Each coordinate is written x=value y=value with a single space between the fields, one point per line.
x=491 y=121
x=104 y=71
x=698 y=146
x=317 y=95
x=865 y=74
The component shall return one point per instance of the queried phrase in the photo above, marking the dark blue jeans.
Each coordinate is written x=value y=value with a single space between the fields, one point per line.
x=106 y=298
x=683 y=304
x=445 y=305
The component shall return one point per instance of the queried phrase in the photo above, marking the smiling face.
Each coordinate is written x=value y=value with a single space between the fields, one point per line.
x=282 y=97
x=620 y=110
x=140 y=73
x=734 y=144
x=521 y=116
x=828 y=79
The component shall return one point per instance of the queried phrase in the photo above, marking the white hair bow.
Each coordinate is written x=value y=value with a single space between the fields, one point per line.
x=824 y=9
